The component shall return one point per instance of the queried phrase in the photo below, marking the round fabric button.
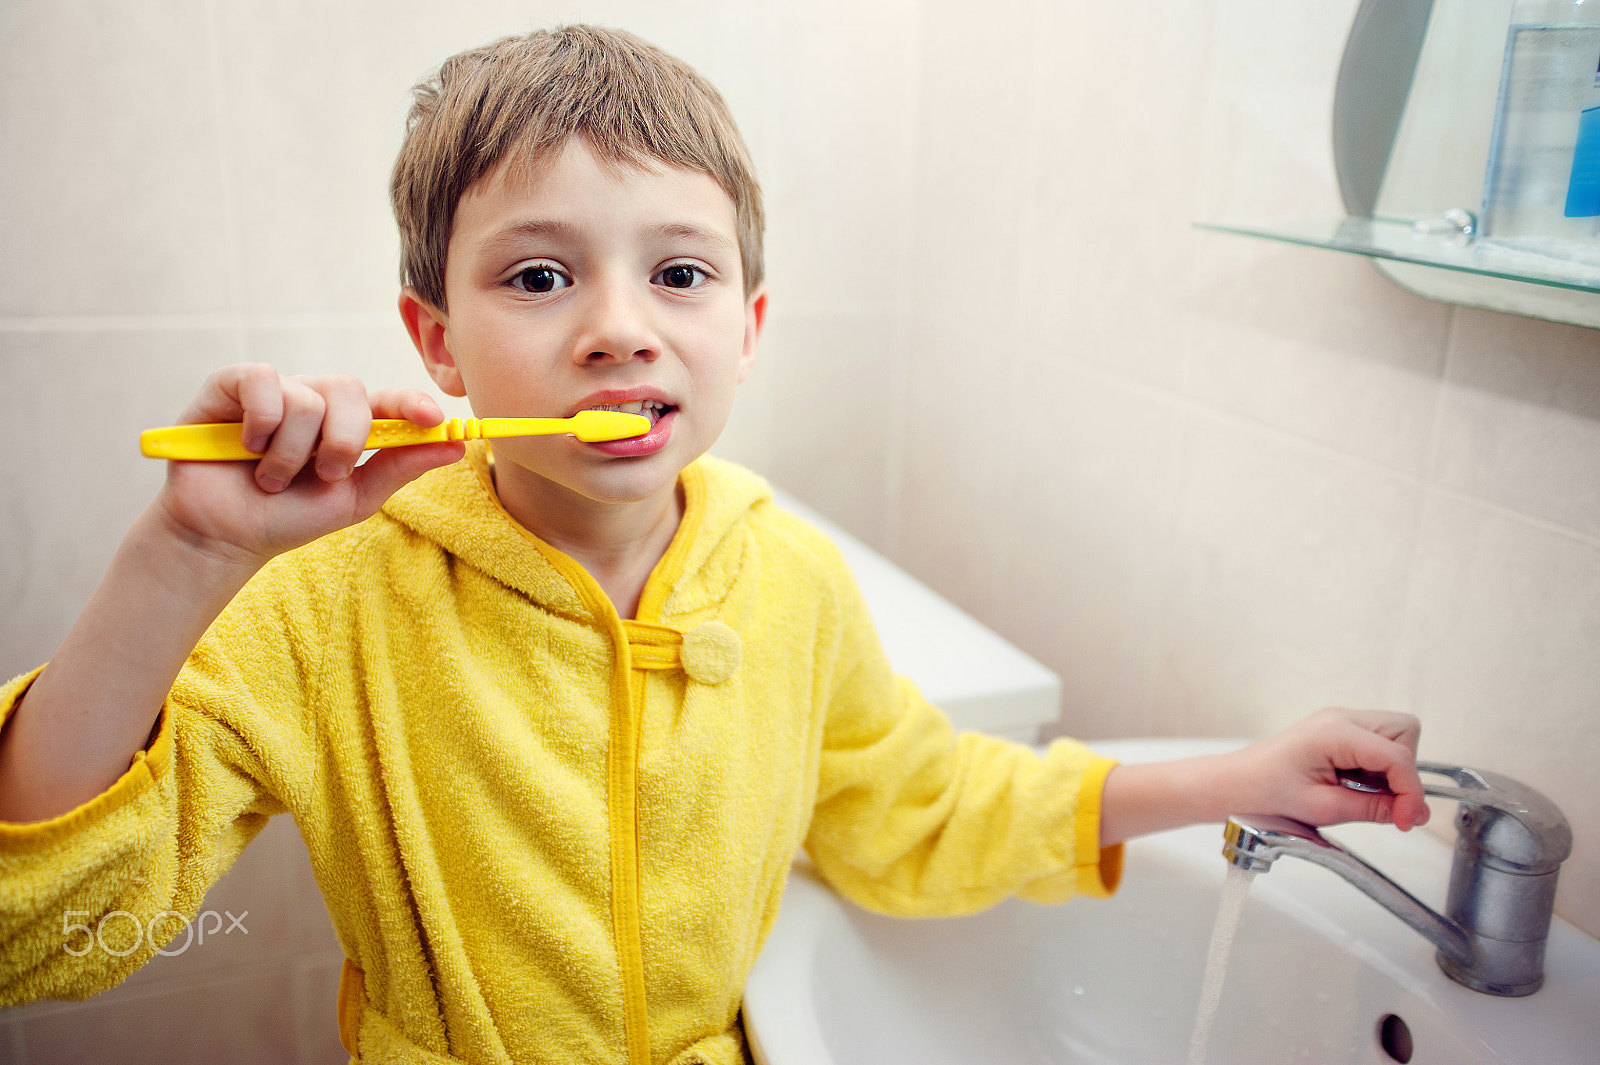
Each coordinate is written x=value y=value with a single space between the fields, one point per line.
x=710 y=652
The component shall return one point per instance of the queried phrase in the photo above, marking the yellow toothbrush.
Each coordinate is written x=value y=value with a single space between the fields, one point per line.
x=221 y=442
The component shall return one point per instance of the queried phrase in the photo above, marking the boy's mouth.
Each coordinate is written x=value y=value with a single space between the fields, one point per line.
x=650 y=408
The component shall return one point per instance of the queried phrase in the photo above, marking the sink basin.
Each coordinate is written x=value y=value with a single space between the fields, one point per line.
x=1319 y=974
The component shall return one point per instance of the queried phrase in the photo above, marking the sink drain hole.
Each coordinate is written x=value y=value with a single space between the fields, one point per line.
x=1395 y=1038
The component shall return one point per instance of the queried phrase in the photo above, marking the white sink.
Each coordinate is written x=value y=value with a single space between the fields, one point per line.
x=1316 y=969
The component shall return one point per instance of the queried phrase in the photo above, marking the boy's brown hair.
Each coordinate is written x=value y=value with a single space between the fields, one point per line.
x=523 y=97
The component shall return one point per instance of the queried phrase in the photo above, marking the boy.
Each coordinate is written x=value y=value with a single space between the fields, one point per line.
x=554 y=721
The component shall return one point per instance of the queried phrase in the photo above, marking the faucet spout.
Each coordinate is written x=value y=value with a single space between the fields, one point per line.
x=1255 y=842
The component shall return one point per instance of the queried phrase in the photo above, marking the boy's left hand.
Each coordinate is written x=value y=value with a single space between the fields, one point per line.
x=1295 y=773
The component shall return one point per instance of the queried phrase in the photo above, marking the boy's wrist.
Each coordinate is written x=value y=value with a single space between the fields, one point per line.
x=1228 y=785
x=1156 y=796
x=173 y=548
x=1202 y=789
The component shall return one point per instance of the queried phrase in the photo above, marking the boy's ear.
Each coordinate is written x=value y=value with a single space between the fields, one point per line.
x=755 y=318
x=429 y=329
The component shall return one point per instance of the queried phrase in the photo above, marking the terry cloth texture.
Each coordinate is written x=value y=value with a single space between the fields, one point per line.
x=547 y=834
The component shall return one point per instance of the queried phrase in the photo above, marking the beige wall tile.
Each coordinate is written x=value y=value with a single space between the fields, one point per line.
x=1320 y=407
x=974 y=144
x=1090 y=530
x=1269 y=110
x=1113 y=154
x=1519 y=419
x=315 y=98
x=837 y=158
x=953 y=477
x=310 y=928
x=111 y=174
x=316 y=1015
x=1318 y=345
x=73 y=479
x=964 y=338
x=373 y=347
x=756 y=424
x=233 y=1019
x=1499 y=661
x=1288 y=583
x=823 y=400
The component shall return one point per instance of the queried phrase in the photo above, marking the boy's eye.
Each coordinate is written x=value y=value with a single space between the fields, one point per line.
x=680 y=275
x=540 y=278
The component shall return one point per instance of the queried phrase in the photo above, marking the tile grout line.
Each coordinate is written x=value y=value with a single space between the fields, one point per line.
x=191 y=321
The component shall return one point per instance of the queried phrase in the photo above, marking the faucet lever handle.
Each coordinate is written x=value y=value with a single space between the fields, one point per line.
x=1504 y=818
x=1471 y=785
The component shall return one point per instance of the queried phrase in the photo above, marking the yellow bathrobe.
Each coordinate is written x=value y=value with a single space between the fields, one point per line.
x=547 y=834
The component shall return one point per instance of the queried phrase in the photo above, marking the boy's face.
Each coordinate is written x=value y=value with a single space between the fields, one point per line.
x=582 y=285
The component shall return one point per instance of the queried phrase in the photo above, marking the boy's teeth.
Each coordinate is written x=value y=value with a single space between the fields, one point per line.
x=648 y=407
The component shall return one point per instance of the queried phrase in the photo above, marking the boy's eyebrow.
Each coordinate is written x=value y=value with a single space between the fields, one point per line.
x=531 y=227
x=689 y=231
x=550 y=228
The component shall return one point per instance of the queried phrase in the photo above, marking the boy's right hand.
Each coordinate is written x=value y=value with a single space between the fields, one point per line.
x=311 y=432
x=207 y=532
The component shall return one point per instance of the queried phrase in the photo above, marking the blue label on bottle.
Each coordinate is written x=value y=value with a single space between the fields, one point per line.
x=1583 y=188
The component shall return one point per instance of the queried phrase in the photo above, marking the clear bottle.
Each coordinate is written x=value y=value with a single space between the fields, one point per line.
x=1542 y=186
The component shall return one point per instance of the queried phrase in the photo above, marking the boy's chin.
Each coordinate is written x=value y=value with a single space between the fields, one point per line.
x=613 y=481
x=621 y=488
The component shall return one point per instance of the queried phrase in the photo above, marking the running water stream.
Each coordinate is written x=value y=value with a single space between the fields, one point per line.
x=1234 y=890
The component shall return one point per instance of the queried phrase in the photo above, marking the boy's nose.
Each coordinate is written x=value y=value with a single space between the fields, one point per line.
x=616 y=327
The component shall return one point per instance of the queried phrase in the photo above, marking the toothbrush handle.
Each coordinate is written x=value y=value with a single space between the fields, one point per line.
x=222 y=441
x=397 y=432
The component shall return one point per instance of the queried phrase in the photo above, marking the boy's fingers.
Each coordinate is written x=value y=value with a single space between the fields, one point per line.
x=1397 y=762
x=258 y=391
x=345 y=425
x=1402 y=728
x=1401 y=811
x=249 y=392
x=295 y=437
x=412 y=404
x=421 y=408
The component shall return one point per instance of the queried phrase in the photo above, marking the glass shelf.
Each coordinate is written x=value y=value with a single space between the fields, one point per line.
x=1400 y=242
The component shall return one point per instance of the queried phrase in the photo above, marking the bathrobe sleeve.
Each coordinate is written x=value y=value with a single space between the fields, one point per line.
x=88 y=896
x=913 y=819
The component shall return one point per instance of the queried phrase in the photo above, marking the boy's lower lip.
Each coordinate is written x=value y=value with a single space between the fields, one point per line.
x=648 y=444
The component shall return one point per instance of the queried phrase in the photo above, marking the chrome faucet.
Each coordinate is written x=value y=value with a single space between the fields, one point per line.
x=1510 y=843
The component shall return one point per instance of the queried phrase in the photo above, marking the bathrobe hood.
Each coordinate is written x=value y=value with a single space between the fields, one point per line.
x=457 y=509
